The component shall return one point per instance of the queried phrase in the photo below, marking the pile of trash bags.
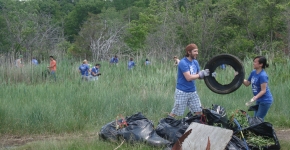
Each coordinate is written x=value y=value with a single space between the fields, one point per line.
x=137 y=128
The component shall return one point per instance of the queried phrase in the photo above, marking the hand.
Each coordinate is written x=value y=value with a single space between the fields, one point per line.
x=203 y=73
x=206 y=72
x=251 y=101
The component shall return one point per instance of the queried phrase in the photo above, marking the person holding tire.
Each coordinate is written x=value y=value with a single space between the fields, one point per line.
x=185 y=93
x=259 y=80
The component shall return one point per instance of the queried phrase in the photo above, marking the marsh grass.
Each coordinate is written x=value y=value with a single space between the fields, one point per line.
x=31 y=105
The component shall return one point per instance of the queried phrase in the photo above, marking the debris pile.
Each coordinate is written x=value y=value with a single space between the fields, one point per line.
x=248 y=132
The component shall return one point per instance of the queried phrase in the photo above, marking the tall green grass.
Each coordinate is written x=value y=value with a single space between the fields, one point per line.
x=30 y=104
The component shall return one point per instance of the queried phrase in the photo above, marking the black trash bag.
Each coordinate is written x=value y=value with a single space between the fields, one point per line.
x=254 y=121
x=264 y=129
x=171 y=129
x=194 y=118
x=236 y=144
x=220 y=110
x=109 y=132
x=253 y=108
x=157 y=141
x=216 y=114
x=140 y=129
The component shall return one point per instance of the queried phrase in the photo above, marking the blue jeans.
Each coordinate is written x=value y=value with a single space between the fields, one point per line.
x=52 y=73
x=262 y=110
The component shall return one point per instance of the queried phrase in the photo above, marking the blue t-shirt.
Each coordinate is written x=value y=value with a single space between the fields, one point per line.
x=131 y=64
x=223 y=66
x=94 y=70
x=84 y=69
x=114 y=60
x=34 y=61
x=147 y=62
x=184 y=66
x=256 y=81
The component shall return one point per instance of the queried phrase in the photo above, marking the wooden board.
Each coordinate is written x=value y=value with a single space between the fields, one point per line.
x=200 y=134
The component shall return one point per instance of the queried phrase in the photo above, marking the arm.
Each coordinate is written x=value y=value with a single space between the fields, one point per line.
x=246 y=82
x=190 y=77
x=93 y=72
x=262 y=92
x=52 y=65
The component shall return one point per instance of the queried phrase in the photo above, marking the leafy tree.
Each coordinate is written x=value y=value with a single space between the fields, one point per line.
x=78 y=16
x=139 y=29
x=124 y=4
x=163 y=41
x=28 y=31
x=100 y=35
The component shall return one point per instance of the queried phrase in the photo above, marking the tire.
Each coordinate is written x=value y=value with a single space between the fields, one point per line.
x=214 y=63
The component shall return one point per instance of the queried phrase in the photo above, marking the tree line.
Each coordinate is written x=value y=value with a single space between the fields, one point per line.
x=99 y=29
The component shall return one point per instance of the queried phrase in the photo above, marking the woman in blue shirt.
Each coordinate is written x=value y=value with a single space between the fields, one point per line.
x=147 y=62
x=259 y=80
x=131 y=64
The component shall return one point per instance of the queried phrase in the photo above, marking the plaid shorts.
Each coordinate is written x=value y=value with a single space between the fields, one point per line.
x=183 y=99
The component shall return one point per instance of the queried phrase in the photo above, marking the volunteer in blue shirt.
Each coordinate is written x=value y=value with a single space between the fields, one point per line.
x=185 y=93
x=34 y=61
x=95 y=72
x=131 y=64
x=223 y=66
x=147 y=62
x=114 y=60
x=84 y=69
x=259 y=80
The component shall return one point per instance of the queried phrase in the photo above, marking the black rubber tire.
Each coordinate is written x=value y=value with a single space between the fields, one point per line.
x=228 y=59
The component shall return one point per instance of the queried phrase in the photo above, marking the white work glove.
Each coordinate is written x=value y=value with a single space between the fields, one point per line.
x=203 y=73
x=251 y=101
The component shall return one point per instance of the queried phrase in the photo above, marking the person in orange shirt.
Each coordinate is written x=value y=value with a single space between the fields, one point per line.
x=52 y=67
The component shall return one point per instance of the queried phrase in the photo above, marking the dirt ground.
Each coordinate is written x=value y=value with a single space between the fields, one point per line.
x=283 y=134
x=12 y=140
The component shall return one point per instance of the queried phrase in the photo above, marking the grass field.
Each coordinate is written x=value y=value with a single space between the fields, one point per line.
x=30 y=104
